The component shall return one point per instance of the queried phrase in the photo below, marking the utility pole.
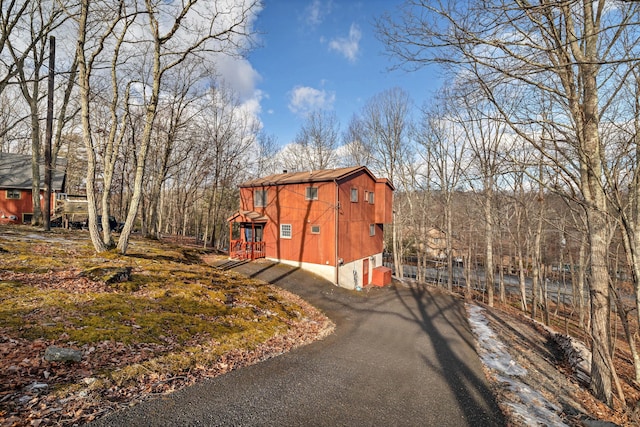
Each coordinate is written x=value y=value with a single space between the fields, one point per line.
x=49 y=136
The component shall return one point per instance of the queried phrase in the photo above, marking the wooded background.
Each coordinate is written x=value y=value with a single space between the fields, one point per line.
x=525 y=163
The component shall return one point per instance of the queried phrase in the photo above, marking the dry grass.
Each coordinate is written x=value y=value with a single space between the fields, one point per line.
x=174 y=321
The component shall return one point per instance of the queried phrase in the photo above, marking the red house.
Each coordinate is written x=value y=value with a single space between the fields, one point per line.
x=16 y=203
x=329 y=222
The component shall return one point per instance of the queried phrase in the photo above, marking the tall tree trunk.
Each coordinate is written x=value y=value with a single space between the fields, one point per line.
x=83 y=82
x=582 y=282
x=36 y=219
x=467 y=273
x=522 y=280
x=488 y=235
x=602 y=369
x=449 y=242
x=150 y=116
x=545 y=293
x=397 y=255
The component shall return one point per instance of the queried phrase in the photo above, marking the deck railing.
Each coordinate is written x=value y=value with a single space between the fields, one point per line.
x=247 y=250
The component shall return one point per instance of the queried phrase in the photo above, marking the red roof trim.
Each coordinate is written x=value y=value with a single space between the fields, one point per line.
x=308 y=177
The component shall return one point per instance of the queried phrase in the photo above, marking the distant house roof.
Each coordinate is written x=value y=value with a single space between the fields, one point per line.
x=307 y=177
x=15 y=172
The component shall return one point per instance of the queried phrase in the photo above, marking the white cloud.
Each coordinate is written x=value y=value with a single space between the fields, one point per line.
x=316 y=11
x=238 y=74
x=304 y=99
x=348 y=46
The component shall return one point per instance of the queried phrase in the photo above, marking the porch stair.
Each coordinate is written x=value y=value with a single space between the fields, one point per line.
x=231 y=264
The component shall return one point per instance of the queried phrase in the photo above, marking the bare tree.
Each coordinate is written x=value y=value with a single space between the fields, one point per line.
x=520 y=211
x=487 y=138
x=385 y=126
x=230 y=135
x=265 y=163
x=37 y=22
x=446 y=147
x=354 y=152
x=624 y=178
x=316 y=142
x=165 y=36
x=13 y=22
x=97 y=25
x=178 y=113
x=562 y=50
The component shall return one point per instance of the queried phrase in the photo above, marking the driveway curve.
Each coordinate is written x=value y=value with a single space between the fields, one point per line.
x=398 y=357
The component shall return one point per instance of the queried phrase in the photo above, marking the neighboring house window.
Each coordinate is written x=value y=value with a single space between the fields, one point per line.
x=354 y=194
x=372 y=229
x=315 y=229
x=311 y=193
x=13 y=194
x=285 y=231
x=371 y=197
x=259 y=198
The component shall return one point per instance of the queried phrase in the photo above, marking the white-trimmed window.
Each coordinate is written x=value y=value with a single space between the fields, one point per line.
x=311 y=193
x=371 y=194
x=354 y=195
x=315 y=229
x=259 y=198
x=285 y=231
x=372 y=229
x=13 y=194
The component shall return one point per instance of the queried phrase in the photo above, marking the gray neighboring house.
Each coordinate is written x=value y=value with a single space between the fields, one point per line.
x=16 y=203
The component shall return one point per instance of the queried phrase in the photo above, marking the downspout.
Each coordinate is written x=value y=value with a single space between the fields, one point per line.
x=336 y=234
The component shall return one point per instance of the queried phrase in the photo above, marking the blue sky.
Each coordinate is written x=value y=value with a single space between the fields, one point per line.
x=316 y=54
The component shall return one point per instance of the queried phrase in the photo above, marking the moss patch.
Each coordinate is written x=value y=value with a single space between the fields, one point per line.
x=158 y=312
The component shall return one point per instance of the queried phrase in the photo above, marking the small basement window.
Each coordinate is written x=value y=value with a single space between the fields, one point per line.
x=311 y=193
x=315 y=229
x=13 y=194
x=285 y=231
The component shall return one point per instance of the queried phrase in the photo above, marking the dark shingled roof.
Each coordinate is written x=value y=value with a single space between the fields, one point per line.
x=307 y=176
x=15 y=172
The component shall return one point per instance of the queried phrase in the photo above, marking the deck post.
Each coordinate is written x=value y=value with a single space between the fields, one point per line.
x=253 y=239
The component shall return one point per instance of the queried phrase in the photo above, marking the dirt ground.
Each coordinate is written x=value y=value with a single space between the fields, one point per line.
x=533 y=348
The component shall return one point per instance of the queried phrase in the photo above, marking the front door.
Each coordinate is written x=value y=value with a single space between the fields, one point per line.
x=253 y=234
x=365 y=272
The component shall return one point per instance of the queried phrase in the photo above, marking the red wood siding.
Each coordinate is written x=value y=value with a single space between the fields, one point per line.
x=384 y=202
x=18 y=207
x=286 y=204
x=354 y=240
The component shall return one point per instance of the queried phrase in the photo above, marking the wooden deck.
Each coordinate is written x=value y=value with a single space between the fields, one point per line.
x=246 y=250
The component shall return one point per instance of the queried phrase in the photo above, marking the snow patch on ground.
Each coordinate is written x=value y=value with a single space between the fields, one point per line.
x=528 y=404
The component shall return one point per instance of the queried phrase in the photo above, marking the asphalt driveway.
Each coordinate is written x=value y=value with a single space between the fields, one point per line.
x=398 y=357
